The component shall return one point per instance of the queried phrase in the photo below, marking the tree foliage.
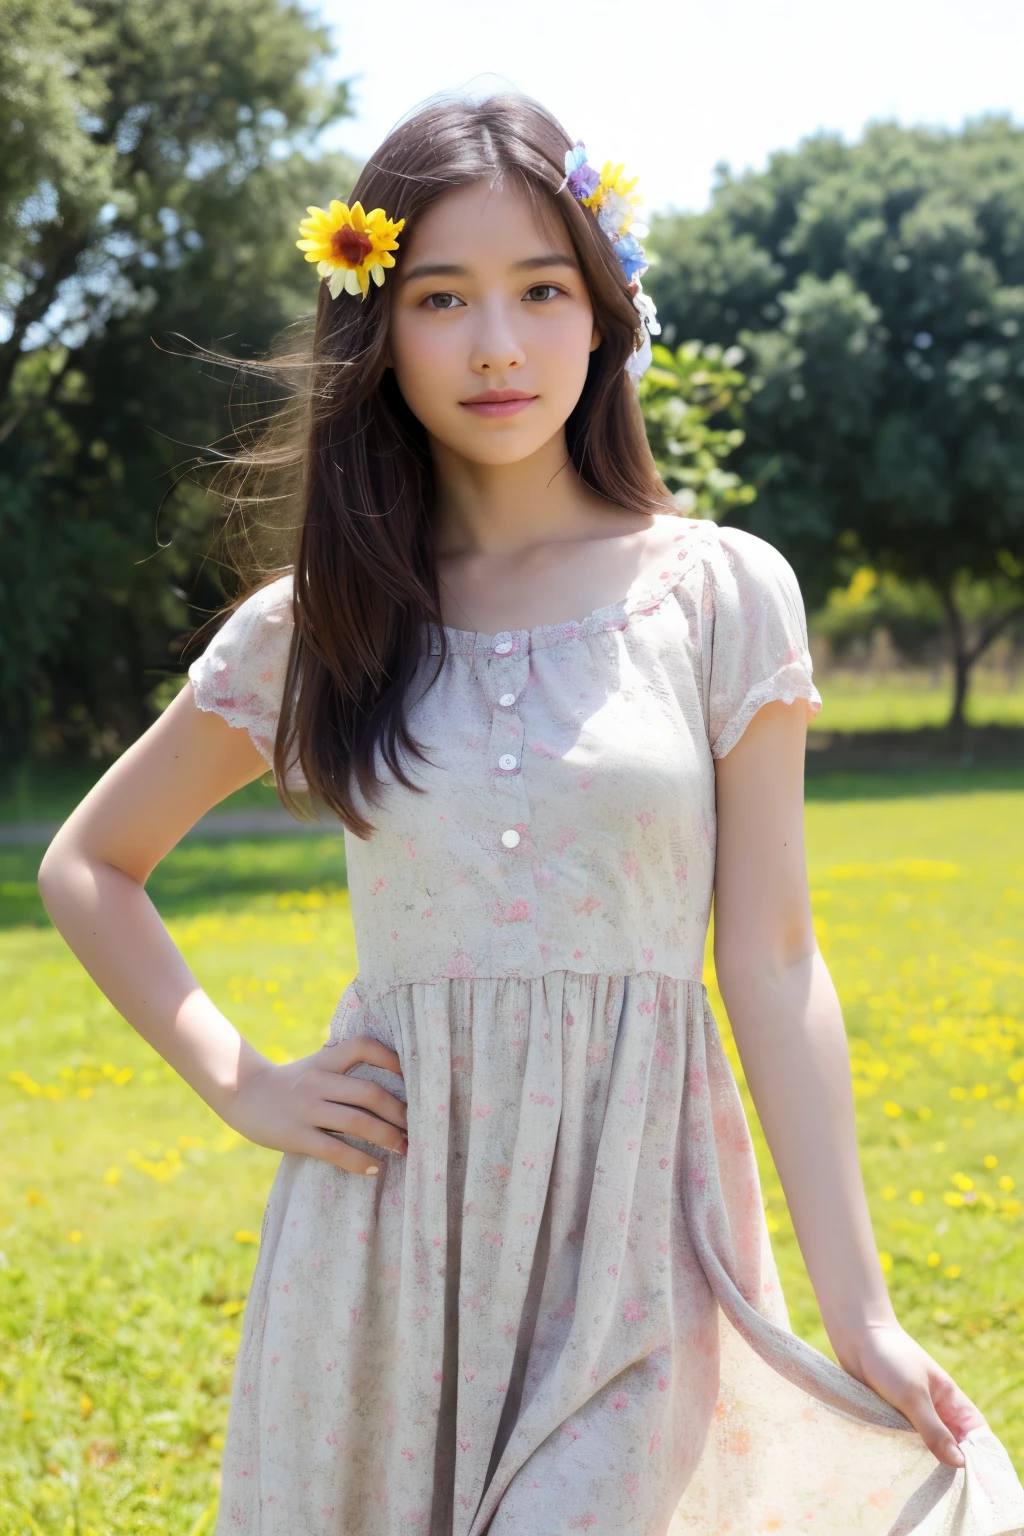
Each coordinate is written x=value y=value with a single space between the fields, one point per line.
x=693 y=400
x=878 y=291
x=155 y=160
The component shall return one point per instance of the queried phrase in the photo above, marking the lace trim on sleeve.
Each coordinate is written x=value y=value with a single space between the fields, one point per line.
x=789 y=683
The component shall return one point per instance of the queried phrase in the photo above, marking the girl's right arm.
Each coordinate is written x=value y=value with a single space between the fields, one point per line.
x=92 y=881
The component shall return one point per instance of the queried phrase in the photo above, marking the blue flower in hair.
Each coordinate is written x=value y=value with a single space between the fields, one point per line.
x=611 y=199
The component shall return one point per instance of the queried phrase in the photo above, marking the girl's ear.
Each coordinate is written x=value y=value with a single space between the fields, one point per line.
x=595 y=340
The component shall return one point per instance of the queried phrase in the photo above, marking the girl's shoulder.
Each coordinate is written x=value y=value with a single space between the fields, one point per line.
x=241 y=673
x=753 y=629
x=732 y=572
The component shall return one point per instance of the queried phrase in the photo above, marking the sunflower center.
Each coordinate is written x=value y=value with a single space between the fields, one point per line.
x=349 y=246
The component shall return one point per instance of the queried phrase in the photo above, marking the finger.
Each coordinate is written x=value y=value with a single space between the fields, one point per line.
x=953 y=1406
x=933 y=1432
x=330 y=1150
x=345 y=1053
x=350 y=1121
x=369 y=1095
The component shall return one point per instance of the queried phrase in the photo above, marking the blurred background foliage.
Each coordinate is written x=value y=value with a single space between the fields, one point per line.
x=842 y=367
x=877 y=289
x=148 y=191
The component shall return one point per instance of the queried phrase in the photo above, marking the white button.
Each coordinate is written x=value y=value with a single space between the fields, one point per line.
x=502 y=644
x=507 y=699
x=506 y=760
x=510 y=838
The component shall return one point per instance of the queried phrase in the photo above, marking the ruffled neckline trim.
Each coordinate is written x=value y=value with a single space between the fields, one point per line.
x=681 y=554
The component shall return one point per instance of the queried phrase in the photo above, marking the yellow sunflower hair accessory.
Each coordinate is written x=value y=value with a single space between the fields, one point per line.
x=349 y=246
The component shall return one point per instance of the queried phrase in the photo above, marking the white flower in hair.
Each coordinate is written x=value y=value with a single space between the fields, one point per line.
x=638 y=362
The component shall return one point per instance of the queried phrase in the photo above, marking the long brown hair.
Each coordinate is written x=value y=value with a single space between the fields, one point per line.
x=365 y=574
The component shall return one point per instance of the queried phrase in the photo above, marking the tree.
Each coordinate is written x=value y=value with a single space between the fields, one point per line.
x=687 y=397
x=878 y=290
x=156 y=160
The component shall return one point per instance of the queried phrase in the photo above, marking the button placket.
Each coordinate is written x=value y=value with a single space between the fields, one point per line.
x=506 y=670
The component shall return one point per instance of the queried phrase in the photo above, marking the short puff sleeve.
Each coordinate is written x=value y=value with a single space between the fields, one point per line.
x=240 y=676
x=755 y=640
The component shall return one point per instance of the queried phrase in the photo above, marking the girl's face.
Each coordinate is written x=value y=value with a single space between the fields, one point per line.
x=487 y=298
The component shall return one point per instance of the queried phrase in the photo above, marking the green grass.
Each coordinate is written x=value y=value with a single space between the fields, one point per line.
x=907 y=700
x=919 y=912
x=127 y=1208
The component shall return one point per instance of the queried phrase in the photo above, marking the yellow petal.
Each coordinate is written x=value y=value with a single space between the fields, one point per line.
x=377 y=273
x=339 y=212
x=337 y=282
x=364 y=281
x=351 y=280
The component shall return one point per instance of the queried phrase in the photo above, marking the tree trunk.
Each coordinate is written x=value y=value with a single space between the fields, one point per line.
x=59 y=251
x=966 y=654
x=957 y=721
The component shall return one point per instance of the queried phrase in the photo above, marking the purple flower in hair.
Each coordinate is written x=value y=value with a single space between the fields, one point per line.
x=581 y=178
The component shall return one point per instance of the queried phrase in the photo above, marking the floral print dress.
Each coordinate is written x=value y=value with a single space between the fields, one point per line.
x=560 y=1313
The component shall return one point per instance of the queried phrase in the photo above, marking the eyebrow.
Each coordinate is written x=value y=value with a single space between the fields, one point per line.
x=450 y=269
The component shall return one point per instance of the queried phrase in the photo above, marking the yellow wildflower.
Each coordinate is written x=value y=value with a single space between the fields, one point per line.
x=242 y=1236
x=933 y=1259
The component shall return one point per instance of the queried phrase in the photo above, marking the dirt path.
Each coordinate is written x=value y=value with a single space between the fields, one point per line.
x=25 y=834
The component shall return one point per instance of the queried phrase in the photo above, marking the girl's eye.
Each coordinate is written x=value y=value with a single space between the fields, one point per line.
x=538 y=286
x=441 y=296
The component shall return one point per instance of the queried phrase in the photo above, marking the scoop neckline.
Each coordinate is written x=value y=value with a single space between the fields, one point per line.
x=616 y=615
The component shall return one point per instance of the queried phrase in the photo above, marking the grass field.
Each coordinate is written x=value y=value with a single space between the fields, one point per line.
x=907 y=700
x=129 y=1214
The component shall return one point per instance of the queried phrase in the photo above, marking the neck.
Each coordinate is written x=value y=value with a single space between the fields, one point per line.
x=498 y=509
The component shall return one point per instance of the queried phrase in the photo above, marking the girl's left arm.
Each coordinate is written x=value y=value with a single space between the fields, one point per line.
x=789 y=1031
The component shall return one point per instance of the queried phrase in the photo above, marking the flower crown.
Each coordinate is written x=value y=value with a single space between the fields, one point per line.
x=351 y=246
x=611 y=198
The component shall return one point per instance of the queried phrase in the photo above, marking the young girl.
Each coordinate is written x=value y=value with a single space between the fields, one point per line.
x=515 y=1275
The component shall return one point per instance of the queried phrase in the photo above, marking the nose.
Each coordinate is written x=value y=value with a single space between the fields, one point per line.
x=497 y=345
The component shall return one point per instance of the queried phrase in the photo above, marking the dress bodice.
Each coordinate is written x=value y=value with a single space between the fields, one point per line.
x=568 y=820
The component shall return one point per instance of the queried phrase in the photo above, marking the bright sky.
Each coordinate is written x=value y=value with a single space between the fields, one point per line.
x=670 y=87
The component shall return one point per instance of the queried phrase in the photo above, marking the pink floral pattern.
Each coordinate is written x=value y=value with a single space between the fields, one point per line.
x=561 y=1311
